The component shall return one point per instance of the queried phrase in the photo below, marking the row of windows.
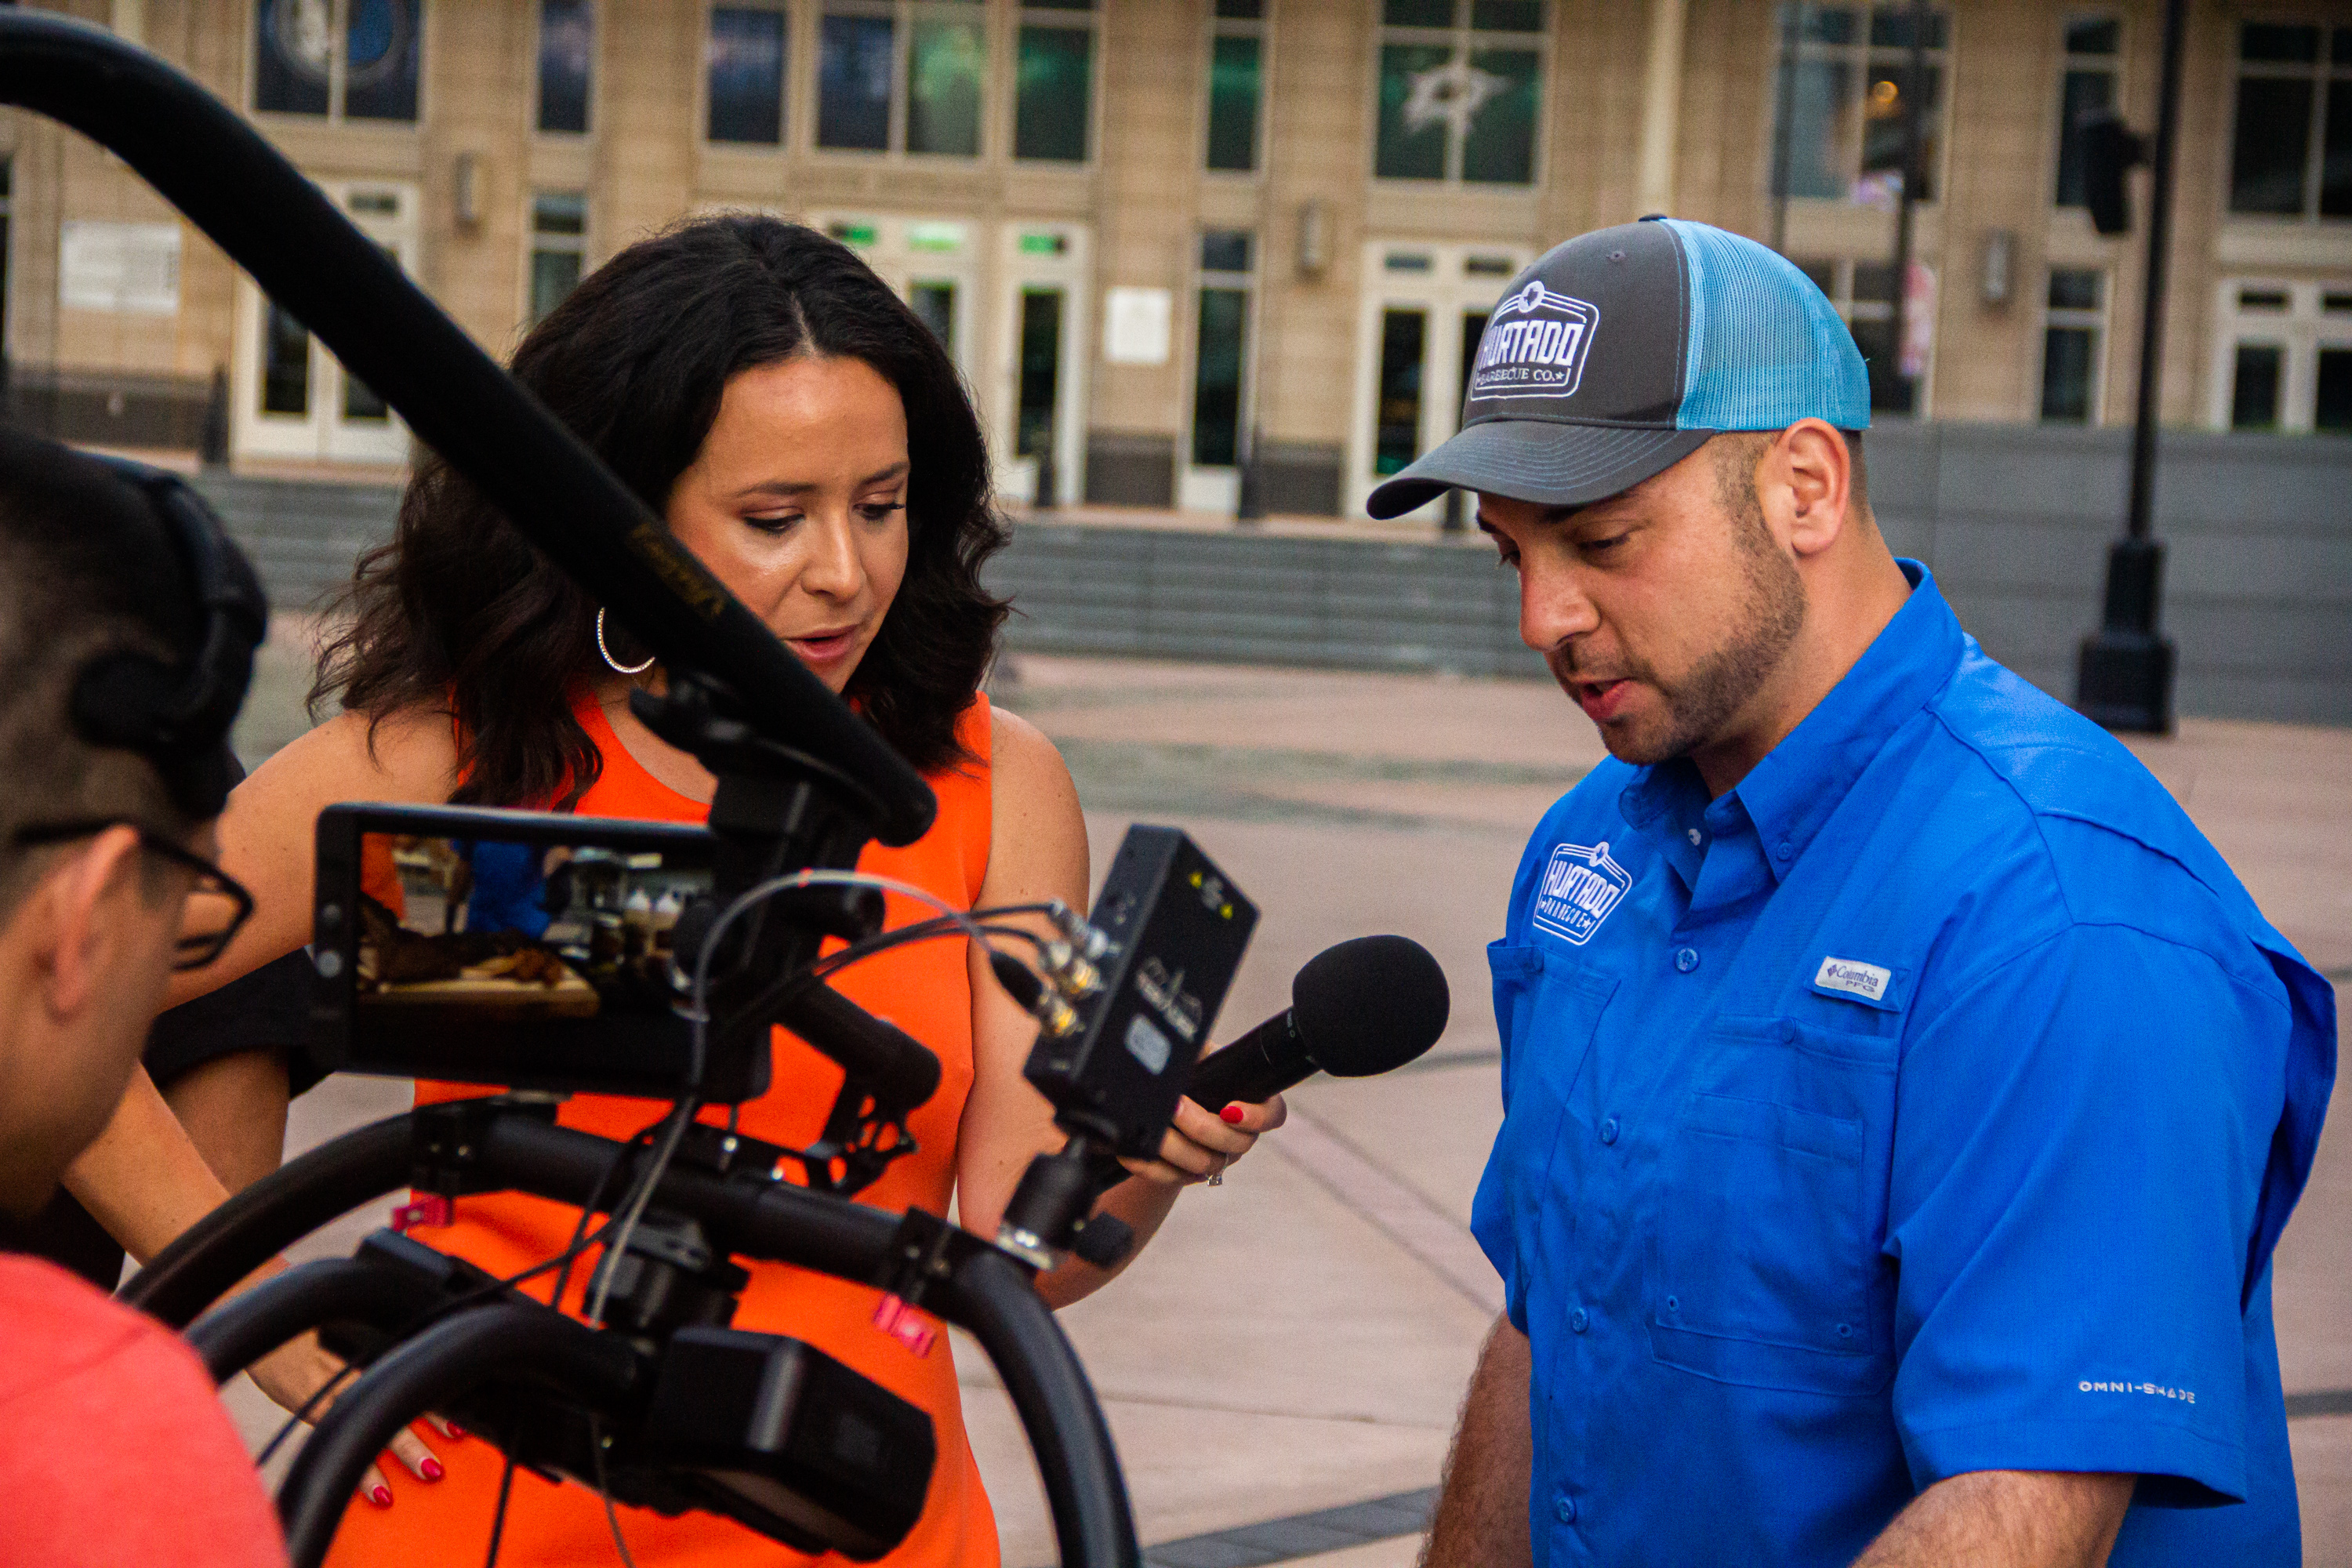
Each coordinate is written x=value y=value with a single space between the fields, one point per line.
x=1460 y=89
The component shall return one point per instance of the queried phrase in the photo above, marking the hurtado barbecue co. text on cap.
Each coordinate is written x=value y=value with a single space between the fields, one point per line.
x=1617 y=354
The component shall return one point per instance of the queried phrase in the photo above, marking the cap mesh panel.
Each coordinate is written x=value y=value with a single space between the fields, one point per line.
x=1766 y=348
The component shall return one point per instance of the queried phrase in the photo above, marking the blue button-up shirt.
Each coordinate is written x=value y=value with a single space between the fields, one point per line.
x=1929 y=1102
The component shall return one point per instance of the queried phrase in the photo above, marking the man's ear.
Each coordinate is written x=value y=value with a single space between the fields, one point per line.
x=1811 y=460
x=78 y=907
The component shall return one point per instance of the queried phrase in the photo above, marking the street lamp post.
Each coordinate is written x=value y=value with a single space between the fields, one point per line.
x=2124 y=679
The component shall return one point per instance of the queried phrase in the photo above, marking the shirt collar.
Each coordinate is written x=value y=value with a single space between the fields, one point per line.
x=1799 y=783
x=1793 y=790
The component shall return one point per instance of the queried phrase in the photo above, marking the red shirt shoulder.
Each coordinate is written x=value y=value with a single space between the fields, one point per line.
x=113 y=1444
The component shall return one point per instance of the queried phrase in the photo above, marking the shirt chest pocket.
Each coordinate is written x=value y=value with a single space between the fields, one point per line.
x=1763 y=1263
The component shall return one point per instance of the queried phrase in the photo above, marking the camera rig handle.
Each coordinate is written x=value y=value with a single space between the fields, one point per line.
x=498 y=1145
x=250 y=201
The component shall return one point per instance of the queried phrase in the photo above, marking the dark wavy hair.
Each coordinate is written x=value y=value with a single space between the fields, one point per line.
x=460 y=613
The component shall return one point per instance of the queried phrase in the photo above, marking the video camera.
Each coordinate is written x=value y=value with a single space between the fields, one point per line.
x=546 y=954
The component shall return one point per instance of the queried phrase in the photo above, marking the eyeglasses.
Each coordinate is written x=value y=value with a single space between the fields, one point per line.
x=217 y=906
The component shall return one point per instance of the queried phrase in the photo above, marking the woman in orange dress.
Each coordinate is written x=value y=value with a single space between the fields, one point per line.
x=804 y=435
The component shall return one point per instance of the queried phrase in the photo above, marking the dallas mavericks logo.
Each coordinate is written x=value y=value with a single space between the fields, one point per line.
x=1534 y=345
x=1580 y=886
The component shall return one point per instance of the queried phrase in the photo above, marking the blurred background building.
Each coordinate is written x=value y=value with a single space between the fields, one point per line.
x=1144 y=227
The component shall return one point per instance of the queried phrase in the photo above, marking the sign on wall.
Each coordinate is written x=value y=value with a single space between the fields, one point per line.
x=1136 y=324
x=125 y=268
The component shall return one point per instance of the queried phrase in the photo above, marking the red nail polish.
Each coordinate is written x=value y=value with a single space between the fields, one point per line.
x=431 y=1469
x=1233 y=1115
x=456 y=1430
x=380 y=1496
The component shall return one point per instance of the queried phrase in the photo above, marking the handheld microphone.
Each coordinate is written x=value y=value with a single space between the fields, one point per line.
x=1362 y=1007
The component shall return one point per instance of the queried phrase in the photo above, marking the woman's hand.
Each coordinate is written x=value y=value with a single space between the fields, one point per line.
x=296 y=1370
x=1200 y=1147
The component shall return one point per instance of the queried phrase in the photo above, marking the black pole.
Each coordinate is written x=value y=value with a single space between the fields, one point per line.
x=2124 y=679
x=1785 y=127
x=1914 y=86
x=1249 y=485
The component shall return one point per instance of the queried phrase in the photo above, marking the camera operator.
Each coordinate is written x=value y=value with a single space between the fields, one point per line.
x=116 y=1447
x=806 y=437
x=1902 y=1098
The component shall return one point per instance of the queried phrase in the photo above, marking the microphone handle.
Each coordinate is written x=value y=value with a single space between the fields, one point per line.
x=1258 y=1065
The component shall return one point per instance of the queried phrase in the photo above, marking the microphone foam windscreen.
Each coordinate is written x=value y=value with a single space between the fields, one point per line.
x=1368 y=1005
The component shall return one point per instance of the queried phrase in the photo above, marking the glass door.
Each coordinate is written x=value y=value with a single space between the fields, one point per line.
x=1423 y=317
x=291 y=399
x=1038 y=411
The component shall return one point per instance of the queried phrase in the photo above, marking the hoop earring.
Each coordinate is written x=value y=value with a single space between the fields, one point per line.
x=618 y=668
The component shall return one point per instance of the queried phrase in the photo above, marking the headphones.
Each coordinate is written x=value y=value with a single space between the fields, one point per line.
x=177 y=715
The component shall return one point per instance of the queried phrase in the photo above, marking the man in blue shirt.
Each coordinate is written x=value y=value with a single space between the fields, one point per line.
x=1902 y=1098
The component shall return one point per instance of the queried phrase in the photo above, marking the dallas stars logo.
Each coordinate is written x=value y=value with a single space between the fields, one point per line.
x=1450 y=94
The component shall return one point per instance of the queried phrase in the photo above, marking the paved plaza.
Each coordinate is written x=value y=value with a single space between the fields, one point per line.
x=1297 y=1340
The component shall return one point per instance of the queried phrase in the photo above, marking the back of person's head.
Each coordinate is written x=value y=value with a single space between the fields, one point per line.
x=88 y=573
x=461 y=611
x=127 y=626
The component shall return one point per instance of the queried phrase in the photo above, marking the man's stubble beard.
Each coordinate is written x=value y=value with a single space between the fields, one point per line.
x=1701 y=704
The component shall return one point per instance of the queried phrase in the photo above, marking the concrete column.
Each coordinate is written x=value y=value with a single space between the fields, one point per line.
x=1661 y=87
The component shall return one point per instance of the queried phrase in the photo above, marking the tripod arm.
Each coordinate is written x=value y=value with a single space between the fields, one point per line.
x=508 y=1340
x=493 y=1145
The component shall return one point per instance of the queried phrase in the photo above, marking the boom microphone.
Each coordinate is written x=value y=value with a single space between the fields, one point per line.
x=1362 y=1007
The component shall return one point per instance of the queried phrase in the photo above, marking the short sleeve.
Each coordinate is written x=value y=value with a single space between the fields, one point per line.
x=117 y=1450
x=2080 y=1143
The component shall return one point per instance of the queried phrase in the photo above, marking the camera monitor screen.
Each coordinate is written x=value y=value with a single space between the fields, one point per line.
x=524 y=948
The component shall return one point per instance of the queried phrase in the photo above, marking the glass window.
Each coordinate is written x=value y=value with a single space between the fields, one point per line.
x=1843 y=114
x=1234 y=62
x=285 y=363
x=379 y=61
x=1225 y=250
x=853 y=75
x=2070 y=346
x=1217 y=376
x=293 y=64
x=1041 y=371
x=2087 y=90
x=2254 y=387
x=746 y=75
x=567 y=41
x=1054 y=81
x=903 y=76
x=2291 y=138
x=1396 y=427
x=559 y=245
x=1221 y=345
x=1461 y=90
x=344 y=59
x=935 y=302
x=947 y=60
x=2331 y=409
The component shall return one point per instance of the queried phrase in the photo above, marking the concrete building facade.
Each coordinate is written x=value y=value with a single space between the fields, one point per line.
x=1147 y=228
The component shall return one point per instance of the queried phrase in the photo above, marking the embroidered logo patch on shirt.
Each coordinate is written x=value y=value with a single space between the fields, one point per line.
x=1854 y=978
x=1580 y=885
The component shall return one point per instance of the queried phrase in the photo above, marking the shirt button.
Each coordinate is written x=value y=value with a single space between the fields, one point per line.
x=1673 y=1304
x=1782 y=850
x=1694 y=836
x=1578 y=1321
x=1566 y=1509
x=1686 y=959
x=1609 y=1131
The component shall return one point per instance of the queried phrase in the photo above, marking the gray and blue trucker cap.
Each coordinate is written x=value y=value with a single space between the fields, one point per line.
x=1617 y=354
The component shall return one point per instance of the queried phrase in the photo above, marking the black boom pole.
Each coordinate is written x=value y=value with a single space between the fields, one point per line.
x=304 y=253
x=2125 y=677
